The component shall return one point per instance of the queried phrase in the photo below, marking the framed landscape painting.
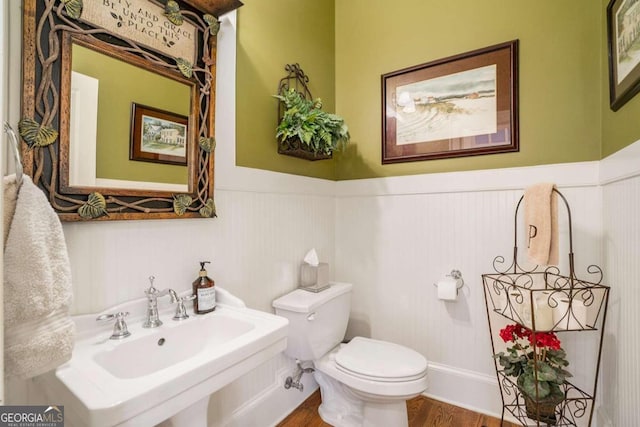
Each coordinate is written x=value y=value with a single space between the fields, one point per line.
x=623 y=36
x=463 y=105
x=158 y=136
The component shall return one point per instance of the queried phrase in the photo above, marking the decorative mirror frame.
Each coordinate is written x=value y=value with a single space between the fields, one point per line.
x=46 y=23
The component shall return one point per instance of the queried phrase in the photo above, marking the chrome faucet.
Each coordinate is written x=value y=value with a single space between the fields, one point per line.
x=152 y=320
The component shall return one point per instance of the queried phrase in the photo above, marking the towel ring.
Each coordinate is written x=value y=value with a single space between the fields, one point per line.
x=16 y=152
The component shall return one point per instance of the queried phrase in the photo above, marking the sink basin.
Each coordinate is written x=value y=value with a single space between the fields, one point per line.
x=160 y=373
x=174 y=344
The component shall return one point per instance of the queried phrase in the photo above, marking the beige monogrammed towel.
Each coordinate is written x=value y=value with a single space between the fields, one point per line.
x=541 y=223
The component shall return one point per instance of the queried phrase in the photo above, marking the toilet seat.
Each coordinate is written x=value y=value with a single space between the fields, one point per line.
x=382 y=361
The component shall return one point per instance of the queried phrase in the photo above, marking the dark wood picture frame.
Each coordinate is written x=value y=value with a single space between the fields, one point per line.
x=623 y=37
x=463 y=105
x=164 y=128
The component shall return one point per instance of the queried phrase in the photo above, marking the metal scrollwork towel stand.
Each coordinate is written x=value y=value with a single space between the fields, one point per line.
x=512 y=292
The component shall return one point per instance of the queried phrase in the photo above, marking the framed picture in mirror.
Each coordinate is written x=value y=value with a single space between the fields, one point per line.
x=158 y=136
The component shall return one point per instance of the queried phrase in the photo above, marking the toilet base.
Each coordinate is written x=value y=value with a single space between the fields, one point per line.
x=385 y=414
x=341 y=407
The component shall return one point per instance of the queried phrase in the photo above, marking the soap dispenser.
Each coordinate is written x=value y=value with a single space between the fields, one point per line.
x=204 y=291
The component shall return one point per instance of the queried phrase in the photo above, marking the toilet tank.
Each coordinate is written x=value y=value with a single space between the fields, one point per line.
x=317 y=321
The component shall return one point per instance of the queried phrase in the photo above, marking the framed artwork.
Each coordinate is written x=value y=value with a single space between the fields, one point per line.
x=623 y=38
x=463 y=105
x=158 y=136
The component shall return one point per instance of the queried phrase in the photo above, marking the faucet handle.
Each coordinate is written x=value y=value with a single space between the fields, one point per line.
x=181 y=311
x=120 y=330
x=151 y=290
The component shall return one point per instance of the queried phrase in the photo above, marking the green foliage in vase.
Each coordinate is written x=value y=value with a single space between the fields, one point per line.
x=319 y=132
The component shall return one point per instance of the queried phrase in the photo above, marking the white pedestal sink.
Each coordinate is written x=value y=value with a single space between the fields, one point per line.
x=160 y=373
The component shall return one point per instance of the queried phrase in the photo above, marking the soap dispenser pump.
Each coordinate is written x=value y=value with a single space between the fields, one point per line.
x=204 y=291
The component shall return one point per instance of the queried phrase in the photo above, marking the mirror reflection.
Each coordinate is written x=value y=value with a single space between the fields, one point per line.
x=112 y=146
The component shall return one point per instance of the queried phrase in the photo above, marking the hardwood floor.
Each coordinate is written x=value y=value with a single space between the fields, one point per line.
x=422 y=411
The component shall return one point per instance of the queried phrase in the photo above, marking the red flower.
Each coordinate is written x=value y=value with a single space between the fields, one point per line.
x=521 y=331
x=507 y=333
x=545 y=339
x=513 y=332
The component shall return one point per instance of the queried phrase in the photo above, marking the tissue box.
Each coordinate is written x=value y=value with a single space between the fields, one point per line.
x=314 y=279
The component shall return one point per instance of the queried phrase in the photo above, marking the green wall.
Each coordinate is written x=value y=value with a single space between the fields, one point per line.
x=115 y=95
x=559 y=73
x=563 y=71
x=272 y=34
x=622 y=127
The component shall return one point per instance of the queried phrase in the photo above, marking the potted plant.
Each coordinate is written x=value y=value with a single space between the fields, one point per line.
x=305 y=126
x=539 y=369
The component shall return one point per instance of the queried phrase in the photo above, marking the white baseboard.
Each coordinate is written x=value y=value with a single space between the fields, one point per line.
x=466 y=389
x=480 y=393
x=272 y=406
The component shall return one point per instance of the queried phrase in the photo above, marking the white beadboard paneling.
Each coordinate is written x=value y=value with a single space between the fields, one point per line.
x=255 y=245
x=620 y=391
x=393 y=247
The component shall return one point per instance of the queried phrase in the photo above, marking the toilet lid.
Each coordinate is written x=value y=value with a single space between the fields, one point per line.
x=380 y=360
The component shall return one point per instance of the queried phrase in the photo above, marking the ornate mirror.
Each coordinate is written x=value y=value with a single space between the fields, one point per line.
x=118 y=106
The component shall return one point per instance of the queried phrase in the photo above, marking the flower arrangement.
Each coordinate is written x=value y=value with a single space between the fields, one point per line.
x=320 y=132
x=536 y=360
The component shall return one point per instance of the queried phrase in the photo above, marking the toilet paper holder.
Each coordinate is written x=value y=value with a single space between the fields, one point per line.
x=457 y=275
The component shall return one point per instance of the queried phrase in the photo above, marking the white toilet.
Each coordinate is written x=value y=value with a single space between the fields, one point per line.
x=363 y=383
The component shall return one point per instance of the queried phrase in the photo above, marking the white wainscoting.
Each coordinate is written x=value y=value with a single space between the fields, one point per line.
x=395 y=237
x=620 y=372
x=391 y=245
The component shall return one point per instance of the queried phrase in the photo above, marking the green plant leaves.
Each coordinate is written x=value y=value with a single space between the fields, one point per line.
x=320 y=132
x=528 y=383
x=35 y=135
x=213 y=23
x=95 y=207
x=209 y=209
x=172 y=12
x=557 y=357
x=207 y=144
x=73 y=8
x=512 y=363
x=180 y=203
x=546 y=372
x=185 y=67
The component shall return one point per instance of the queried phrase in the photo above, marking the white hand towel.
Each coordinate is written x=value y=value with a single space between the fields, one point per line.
x=541 y=223
x=39 y=334
x=10 y=197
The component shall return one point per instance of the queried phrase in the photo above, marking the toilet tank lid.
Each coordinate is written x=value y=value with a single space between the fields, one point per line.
x=302 y=301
